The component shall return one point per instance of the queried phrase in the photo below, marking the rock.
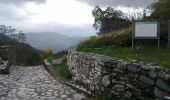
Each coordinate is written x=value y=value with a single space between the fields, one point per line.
x=134 y=67
x=161 y=84
x=109 y=75
x=146 y=80
x=158 y=93
x=106 y=80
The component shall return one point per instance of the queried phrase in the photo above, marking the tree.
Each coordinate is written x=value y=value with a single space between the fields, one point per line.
x=100 y=14
x=8 y=31
x=47 y=53
x=161 y=11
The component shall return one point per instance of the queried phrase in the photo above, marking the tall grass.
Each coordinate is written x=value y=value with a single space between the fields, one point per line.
x=117 y=37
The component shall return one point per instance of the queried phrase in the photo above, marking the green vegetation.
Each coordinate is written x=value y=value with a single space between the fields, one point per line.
x=161 y=11
x=112 y=98
x=25 y=54
x=118 y=43
x=62 y=69
x=47 y=53
x=4 y=71
x=115 y=38
x=100 y=14
x=80 y=83
x=146 y=53
x=60 y=54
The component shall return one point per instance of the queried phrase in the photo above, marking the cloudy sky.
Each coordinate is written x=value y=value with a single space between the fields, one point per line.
x=68 y=17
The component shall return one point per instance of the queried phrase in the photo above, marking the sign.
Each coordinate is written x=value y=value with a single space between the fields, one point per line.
x=146 y=30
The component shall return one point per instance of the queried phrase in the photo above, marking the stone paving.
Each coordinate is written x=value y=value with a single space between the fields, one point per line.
x=34 y=83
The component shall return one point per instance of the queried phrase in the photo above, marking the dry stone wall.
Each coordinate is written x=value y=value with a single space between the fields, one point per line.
x=105 y=75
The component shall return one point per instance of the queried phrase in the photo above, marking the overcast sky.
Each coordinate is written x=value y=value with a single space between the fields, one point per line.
x=68 y=17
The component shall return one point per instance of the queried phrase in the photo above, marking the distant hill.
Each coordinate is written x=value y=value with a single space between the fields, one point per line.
x=55 y=41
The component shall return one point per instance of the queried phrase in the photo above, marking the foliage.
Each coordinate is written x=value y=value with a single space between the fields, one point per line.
x=47 y=53
x=59 y=55
x=4 y=71
x=115 y=38
x=8 y=31
x=26 y=55
x=111 y=97
x=160 y=10
x=80 y=83
x=34 y=59
x=64 y=70
x=99 y=14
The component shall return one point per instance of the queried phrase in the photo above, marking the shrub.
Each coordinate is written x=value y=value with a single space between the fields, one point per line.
x=112 y=98
x=64 y=71
x=115 y=38
x=34 y=59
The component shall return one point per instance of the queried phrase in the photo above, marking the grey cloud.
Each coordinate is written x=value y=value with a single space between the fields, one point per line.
x=133 y=3
x=9 y=12
x=19 y=2
x=71 y=31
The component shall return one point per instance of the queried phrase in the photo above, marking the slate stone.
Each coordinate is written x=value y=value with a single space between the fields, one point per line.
x=146 y=80
x=161 y=84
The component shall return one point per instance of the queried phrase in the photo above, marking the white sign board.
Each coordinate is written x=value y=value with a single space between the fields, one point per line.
x=146 y=29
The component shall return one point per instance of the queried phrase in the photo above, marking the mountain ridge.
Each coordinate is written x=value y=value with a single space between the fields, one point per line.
x=56 y=41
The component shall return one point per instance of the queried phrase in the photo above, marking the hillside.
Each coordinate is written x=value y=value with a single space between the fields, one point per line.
x=118 y=44
x=55 y=41
x=25 y=54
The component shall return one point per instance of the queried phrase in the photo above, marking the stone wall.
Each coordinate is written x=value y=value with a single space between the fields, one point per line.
x=105 y=75
x=7 y=57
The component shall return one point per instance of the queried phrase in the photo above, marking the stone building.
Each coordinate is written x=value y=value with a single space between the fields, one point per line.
x=110 y=24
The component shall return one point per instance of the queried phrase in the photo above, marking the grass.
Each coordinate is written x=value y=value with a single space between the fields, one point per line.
x=80 y=83
x=63 y=70
x=120 y=37
x=112 y=98
x=149 y=53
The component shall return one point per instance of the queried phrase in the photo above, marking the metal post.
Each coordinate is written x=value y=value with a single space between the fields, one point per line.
x=133 y=34
x=168 y=43
x=168 y=33
x=132 y=43
x=158 y=43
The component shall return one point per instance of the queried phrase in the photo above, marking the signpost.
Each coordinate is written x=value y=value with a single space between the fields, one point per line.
x=146 y=30
x=168 y=33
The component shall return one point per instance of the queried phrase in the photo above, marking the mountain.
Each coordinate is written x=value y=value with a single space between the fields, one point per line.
x=55 y=41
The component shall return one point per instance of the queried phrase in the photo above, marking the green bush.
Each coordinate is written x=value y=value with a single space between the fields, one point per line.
x=119 y=37
x=112 y=98
x=64 y=71
x=80 y=83
x=59 y=55
x=4 y=71
x=34 y=59
x=107 y=40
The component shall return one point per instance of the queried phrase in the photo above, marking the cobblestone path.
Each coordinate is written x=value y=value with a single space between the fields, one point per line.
x=34 y=83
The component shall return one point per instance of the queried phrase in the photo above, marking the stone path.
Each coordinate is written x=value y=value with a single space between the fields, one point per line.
x=34 y=83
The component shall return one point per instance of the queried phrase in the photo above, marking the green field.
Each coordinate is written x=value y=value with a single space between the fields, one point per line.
x=149 y=54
